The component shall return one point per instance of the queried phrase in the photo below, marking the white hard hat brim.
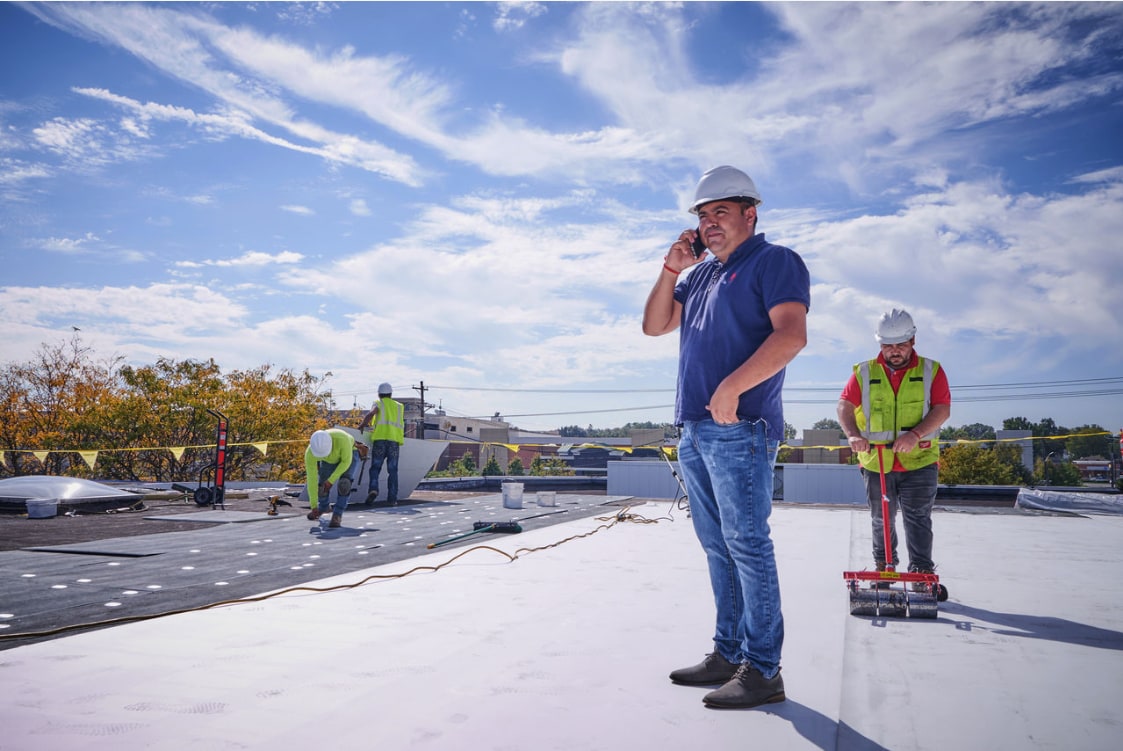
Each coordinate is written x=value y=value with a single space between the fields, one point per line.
x=899 y=339
x=739 y=199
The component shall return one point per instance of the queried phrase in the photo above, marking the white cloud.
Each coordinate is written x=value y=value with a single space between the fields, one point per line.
x=14 y=172
x=975 y=264
x=69 y=245
x=302 y=210
x=250 y=259
x=514 y=15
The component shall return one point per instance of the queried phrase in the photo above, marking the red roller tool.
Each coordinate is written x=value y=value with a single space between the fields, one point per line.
x=893 y=594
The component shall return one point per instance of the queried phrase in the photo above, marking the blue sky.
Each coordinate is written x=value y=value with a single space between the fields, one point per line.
x=478 y=196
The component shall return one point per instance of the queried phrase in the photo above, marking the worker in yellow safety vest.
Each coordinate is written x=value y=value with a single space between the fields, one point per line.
x=386 y=424
x=899 y=401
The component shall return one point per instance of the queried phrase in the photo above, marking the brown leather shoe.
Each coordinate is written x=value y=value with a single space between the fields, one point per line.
x=748 y=688
x=336 y=520
x=713 y=669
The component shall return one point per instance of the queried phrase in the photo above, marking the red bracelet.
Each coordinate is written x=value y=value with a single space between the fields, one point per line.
x=668 y=268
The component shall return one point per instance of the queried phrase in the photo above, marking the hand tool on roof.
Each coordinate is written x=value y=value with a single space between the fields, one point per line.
x=511 y=527
x=893 y=594
x=479 y=528
x=274 y=502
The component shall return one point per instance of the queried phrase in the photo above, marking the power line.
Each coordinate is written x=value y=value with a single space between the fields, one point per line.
x=833 y=389
x=557 y=391
x=1025 y=391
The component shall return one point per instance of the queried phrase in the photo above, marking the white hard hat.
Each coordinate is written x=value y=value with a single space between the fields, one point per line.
x=384 y=389
x=320 y=444
x=895 y=327
x=724 y=182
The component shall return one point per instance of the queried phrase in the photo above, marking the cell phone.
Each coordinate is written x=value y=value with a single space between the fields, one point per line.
x=698 y=247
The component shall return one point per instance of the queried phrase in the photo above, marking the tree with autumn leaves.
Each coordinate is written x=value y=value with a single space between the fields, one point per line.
x=151 y=423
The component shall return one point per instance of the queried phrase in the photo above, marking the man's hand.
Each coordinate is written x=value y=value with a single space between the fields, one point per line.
x=364 y=450
x=681 y=254
x=906 y=442
x=858 y=443
x=325 y=488
x=723 y=405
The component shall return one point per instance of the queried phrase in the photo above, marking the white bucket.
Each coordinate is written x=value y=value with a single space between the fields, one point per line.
x=512 y=494
x=41 y=508
x=547 y=498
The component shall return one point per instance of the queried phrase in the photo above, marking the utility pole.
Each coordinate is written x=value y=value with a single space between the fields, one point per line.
x=421 y=427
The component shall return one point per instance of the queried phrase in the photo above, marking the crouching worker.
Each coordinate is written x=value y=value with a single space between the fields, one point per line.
x=331 y=459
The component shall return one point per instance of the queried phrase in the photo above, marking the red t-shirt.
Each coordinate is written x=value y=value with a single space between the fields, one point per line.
x=941 y=392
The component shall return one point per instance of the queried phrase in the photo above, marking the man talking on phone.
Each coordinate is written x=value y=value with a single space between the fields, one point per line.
x=742 y=317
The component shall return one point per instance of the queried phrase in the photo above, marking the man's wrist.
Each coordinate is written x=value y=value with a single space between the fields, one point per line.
x=668 y=268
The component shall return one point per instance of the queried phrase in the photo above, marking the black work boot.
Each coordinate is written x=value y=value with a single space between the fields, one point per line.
x=747 y=688
x=336 y=521
x=713 y=669
x=372 y=496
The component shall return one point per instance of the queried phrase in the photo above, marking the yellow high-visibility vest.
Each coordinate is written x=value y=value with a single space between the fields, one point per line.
x=884 y=415
x=389 y=423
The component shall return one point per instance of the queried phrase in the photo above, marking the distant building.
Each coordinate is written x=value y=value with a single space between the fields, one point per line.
x=1093 y=470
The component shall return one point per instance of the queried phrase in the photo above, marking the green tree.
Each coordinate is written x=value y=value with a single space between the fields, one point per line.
x=1050 y=472
x=170 y=403
x=1042 y=447
x=1041 y=431
x=1090 y=442
x=159 y=406
x=576 y=431
x=971 y=464
x=492 y=468
x=552 y=466
x=976 y=431
x=1011 y=456
x=41 y=402
x=515 y=467
x=133 y=415
x=827 y=423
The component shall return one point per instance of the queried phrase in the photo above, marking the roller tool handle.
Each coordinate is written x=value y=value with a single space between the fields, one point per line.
x=479 y=528
x=509 y=528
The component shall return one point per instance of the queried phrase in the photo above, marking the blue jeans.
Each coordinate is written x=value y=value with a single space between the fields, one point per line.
x=915 y=493
x=728 y=474
x=324 y=470
x=388 y=451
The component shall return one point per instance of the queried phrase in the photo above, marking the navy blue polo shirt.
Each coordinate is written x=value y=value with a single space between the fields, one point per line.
x=725 y=320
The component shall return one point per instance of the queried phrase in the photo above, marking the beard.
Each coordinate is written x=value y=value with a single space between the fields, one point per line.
x=898 y=360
